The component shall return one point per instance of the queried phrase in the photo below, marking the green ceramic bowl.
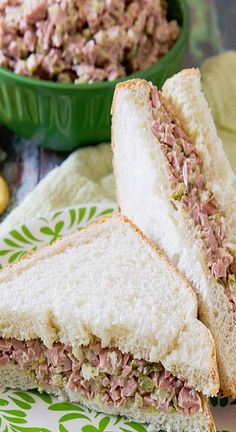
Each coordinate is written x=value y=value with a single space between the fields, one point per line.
x=65 y=116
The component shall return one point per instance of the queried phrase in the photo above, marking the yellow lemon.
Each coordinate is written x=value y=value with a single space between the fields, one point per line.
x=4 y=195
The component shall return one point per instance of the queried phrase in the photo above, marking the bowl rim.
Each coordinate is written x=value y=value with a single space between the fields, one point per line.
x=47 y=84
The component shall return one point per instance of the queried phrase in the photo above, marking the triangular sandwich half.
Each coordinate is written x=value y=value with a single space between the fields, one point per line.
x=103 y=318
x=174 y=181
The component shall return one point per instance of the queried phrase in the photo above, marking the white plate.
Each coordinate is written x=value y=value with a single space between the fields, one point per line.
x=33 y=412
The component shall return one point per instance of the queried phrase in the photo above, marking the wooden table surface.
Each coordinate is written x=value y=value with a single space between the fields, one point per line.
x=213 y=30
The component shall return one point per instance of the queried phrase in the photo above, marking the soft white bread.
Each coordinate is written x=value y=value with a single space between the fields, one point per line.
x=107 y=281
x=144 y=191
x=174 y=422
x=183 y=92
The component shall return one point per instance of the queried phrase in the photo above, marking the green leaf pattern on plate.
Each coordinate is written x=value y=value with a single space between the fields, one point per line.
x=46 y=230
x=34 y=412
x=66 y=416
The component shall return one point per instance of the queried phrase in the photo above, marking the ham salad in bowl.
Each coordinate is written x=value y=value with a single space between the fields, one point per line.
x=61 y=59
x=83 y=40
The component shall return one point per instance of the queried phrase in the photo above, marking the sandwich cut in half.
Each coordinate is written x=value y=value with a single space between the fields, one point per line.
x=174 y=181
x=87 y=319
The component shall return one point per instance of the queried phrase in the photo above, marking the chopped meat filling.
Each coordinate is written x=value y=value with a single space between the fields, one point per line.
x=190 y=190
x=83 y=40
x=119 y=378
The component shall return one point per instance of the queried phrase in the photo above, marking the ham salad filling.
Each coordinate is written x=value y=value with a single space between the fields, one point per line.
x=83 y=40
x=190 y=190
x=118 y=378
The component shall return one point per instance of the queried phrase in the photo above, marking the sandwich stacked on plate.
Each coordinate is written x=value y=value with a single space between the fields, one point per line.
x=174 y=180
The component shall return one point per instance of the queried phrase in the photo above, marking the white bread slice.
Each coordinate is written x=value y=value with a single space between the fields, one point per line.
x=144 y=191
x=184 y=93
x=107 y=281
x=174 y=422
